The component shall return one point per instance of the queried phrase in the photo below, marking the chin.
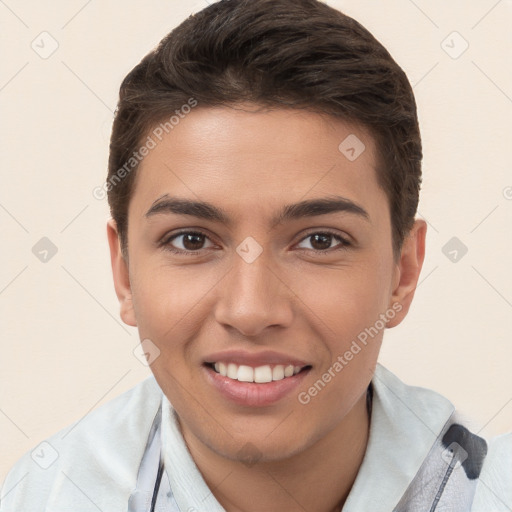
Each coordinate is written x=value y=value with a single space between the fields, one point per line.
x=251 y=451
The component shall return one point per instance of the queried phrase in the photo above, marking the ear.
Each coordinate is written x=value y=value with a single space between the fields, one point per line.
x=121 y=275
x=407 y=271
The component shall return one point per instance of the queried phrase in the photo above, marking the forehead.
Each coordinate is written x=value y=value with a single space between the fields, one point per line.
x=246 y=156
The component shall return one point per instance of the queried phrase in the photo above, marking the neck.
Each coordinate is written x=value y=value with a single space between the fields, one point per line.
x=318 y=478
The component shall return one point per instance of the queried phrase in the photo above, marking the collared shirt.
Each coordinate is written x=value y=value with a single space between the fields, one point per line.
x=94 y=464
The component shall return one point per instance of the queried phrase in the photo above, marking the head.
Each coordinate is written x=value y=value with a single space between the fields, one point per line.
x=264 y=172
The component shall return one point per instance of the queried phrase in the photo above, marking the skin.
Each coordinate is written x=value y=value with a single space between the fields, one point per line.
x=292 y=299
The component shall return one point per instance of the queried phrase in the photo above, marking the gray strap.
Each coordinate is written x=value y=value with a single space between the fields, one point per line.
x=141 y=497
x=153 y=490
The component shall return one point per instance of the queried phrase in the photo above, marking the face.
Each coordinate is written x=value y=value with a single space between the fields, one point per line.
x=259 y=251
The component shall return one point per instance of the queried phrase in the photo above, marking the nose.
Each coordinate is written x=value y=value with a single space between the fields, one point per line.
x=254 y=296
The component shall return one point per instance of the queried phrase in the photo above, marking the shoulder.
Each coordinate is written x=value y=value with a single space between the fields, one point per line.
x=91 y=463
x=412 y=414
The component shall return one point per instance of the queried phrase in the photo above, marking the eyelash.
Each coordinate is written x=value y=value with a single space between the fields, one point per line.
x=345 y=244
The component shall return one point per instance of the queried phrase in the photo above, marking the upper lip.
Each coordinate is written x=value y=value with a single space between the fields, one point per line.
x=254 y=359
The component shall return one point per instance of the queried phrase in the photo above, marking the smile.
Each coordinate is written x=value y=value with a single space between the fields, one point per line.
x=259 y=374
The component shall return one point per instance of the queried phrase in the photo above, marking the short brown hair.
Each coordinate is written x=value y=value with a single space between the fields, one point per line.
x=276 y=53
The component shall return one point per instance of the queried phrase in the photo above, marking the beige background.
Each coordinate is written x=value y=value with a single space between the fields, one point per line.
x=64 y=350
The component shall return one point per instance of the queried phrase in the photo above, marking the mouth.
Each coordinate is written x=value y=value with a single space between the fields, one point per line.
x=259 y=374
x=254 y=386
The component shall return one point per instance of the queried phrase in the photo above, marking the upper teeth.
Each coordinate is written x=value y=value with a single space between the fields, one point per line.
x=259 y=374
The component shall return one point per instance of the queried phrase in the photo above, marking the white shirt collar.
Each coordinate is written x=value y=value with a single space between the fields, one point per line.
x=187 y=484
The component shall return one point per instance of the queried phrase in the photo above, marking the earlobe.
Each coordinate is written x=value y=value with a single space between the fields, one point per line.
x=408 y=270
x=121 y=275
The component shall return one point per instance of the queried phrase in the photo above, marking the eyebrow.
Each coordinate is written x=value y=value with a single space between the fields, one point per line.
x=207 y=211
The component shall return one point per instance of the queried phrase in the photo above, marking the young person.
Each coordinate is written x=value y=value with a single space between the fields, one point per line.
x=264 y=173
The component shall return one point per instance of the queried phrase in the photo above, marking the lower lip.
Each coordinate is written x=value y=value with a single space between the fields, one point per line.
x=252 y=394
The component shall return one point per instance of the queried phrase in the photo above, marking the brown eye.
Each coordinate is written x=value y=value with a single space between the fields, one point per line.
x=193 y=241
x=322 y=241
x=186 y=242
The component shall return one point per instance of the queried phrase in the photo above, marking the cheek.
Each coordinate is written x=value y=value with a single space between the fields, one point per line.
x=345 y=300
x=350 y=306
x=166 y=299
